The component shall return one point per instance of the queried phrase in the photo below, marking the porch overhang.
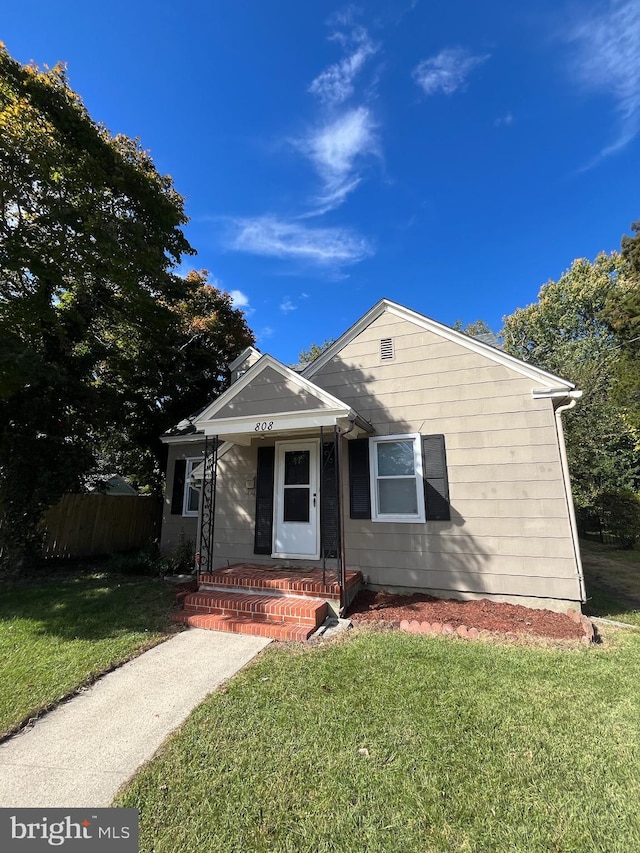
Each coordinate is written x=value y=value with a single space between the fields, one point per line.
x=242 y=430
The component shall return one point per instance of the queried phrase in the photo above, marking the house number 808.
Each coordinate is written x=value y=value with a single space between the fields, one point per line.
x=265 y=426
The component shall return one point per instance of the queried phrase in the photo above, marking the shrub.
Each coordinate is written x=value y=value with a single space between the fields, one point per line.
x=149 y=561
x=144 y=562
x=180 y=561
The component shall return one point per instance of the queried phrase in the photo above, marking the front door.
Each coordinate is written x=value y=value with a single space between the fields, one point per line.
x=295 y=532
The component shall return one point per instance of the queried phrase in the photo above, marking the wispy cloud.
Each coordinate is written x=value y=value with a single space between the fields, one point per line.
x=338 y=145
x=504 y=121
x=344 y=17
x=337 y=151
x=239 y=299
x=446 y=72
x=287 y=306
x=272 y=237
x=335 y=84
x=607 y=59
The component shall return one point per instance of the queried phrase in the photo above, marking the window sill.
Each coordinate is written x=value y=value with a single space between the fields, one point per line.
x=400 y=519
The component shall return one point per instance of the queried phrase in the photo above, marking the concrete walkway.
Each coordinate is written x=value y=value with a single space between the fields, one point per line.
x=80 y=754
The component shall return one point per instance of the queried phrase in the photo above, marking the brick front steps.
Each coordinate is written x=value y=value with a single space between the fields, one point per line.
x=279 y=579
x=283 y=604
x=246 y=625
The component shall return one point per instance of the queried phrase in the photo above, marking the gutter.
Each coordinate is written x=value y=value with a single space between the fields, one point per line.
x=555 y=394
x=356 y=420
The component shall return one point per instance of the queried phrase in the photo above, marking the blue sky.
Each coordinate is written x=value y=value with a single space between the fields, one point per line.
x=451 y=156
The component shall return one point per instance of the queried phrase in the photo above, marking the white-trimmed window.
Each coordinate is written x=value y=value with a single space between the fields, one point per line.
x=191 y=500
x=397 y=490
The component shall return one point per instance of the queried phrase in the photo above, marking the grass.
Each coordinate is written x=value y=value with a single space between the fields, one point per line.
x=612 y=579
x=379 y=742
x=396 y=742
x=59 y=634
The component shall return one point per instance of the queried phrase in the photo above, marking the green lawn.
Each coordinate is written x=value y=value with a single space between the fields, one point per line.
x=377 y=742
x=58 y=634
x=395 y=742
x=469 y=747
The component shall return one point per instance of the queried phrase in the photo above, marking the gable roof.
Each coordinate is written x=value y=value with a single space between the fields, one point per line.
x=233 y=411
x=550 y=381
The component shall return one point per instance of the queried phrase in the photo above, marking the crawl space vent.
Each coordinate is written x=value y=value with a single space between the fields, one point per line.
x=386 y=349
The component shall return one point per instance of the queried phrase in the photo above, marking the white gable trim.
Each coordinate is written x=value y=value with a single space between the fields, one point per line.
x=243 y=355
x=385 y=305
x=208 y=415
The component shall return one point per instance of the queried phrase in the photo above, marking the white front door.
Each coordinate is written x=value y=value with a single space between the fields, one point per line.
x=295 y=532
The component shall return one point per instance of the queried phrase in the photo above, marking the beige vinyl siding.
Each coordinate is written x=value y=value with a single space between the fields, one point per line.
x=174 y=527
x=465 y=542
x=269 y=393
x=509 y=533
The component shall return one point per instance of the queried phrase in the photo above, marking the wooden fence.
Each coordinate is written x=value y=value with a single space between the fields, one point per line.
x=93 y=525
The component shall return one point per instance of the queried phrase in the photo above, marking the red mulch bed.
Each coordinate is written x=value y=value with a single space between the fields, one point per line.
x=387 y=609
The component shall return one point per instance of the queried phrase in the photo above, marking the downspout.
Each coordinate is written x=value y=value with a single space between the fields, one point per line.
x=565 y=407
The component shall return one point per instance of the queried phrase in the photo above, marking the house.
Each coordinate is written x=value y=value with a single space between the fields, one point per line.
x=111 y=484
x=408 y=452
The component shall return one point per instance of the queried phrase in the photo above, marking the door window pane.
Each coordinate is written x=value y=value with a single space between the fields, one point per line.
x=395 y=459
x=296 y=505
x=397 y=497
x=296 y=467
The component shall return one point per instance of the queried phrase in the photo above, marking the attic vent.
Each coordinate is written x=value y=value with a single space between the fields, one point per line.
x=386 y=349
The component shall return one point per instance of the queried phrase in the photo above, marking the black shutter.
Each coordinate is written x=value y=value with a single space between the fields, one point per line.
x=359 y=491
x=264 y=500
x=329 y=501
x=177 y=495
x=436 y=483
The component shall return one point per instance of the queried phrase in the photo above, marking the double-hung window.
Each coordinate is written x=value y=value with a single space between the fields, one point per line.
x=397 y=490
x=191 y=501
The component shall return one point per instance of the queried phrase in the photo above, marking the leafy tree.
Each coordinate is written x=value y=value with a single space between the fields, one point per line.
x=159 y=378
x=475 y=327
x=566 y=333
x=631 y=248
x=94 y=323
x=622 y=313
x=308 y=355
